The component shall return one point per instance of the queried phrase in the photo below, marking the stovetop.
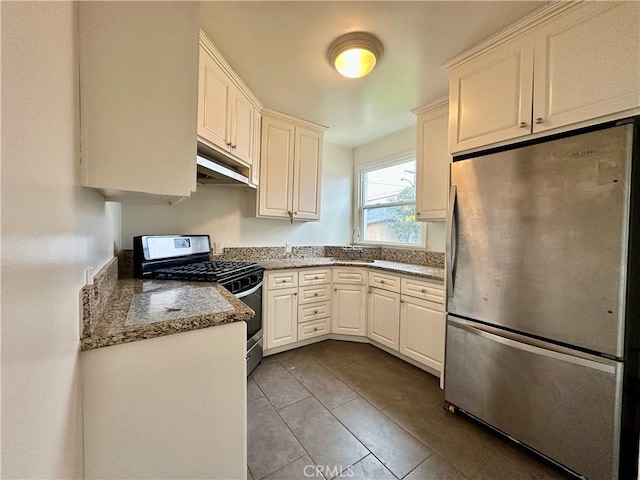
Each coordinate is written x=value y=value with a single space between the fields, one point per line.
x=186 y=258
x=206 y=271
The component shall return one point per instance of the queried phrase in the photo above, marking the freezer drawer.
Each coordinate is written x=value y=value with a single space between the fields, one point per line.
x=562 y=405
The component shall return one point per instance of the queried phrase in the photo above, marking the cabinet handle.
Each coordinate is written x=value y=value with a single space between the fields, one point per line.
x=315 y=278
x=315 y=294
x=290 y=213
x=295 y=293
x=417 y=214
x=423 y=290
x=523 y=125
x=401 y=301
x=315 y=311
x=381 y=281
x=234 y=146
x=370 y=291
x=335 y=289
x=315 y=329
x=538 y=121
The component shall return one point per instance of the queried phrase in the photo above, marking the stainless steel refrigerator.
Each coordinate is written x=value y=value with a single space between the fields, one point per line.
x=543 y=268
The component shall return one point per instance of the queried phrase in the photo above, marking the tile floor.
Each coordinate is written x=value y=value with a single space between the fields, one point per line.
x=349 y=410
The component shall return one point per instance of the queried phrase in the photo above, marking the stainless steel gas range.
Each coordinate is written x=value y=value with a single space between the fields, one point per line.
x=186 y=257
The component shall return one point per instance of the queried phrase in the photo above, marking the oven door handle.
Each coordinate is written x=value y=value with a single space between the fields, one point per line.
x=249 y=292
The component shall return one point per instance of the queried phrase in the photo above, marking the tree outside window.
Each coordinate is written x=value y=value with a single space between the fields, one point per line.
x=388 y=204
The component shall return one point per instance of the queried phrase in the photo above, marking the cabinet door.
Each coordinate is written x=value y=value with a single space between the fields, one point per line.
x=307 y=173
x=242 y=119
x=432 y=164
x=138 y=75
x=422 y=326
x=587 y=64
x=255 y=161
x=348 y=310
x=490 y=97
x=213 y=102
x=383 y=317
x=282 y=317
x=276 y=169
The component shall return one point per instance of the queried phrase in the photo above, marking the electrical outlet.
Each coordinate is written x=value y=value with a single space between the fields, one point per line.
x=287 y=248
x=218 y=248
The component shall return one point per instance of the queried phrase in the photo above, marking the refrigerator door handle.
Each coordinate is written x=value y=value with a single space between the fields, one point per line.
x=452 y=248
x=538 y=347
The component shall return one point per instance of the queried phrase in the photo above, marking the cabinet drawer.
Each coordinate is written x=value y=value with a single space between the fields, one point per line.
x=285 y=279
x=314 y=311
x=313 y=329
x=384 y=281
x=421 y=289
x=314 y=293
x=356 y=276
x=315 y=277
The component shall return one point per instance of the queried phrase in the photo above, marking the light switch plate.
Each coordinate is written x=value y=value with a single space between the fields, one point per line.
x=287 y=248
x=218 y=248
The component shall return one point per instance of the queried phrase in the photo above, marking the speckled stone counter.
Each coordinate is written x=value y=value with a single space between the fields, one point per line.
x=141 y=309
x=431 y=273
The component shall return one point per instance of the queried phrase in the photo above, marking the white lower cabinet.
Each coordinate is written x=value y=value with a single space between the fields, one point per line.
x=128 y=389
x=282 y=317
x=402 y=313
x=293 y=313
x=422 y=329
x=349 y=309
x=383 y=317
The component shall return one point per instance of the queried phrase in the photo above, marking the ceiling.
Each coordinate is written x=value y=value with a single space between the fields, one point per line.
x=279 y=49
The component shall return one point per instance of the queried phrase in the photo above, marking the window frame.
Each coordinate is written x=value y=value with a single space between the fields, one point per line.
x=359 y=206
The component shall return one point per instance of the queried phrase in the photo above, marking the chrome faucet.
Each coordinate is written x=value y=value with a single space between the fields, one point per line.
x=353 y=236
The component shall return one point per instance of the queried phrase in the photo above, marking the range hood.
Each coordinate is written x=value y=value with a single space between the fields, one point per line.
x=210 y=171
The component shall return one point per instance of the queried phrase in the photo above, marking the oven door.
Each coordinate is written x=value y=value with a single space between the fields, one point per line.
x=253 y=299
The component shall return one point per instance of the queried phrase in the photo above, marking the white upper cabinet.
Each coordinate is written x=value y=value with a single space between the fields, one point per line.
x=227 y=127
x=139 y=81
x=565 y=66
x=432 y=162
x=491 y=97
x=291 y=168
x=587 y=65
x=213 y=102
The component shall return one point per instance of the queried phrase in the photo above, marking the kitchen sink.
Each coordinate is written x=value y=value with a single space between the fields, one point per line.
x=353 y=260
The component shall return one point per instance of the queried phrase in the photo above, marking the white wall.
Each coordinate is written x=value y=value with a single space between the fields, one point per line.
x=396 y=144
x=51 y=231
x=225 y=213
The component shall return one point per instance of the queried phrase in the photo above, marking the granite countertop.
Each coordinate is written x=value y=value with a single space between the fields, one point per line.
x=139 y=309
x=431 y=273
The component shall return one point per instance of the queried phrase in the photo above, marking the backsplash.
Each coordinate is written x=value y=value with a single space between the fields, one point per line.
x=94 y=297
x=248 y=254
x=268 y=253
x=402 y=255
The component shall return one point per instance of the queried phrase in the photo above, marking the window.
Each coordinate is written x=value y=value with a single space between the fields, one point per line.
x=387 y=204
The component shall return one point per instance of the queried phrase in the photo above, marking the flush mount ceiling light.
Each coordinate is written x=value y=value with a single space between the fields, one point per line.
x=355 y=54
